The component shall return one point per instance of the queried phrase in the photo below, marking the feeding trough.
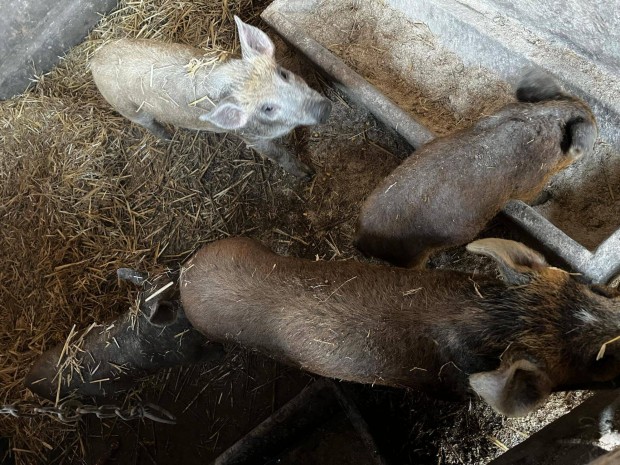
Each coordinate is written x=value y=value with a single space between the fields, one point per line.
x=376 y=40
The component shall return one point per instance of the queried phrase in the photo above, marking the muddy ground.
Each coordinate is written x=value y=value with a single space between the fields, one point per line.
x=84 y=191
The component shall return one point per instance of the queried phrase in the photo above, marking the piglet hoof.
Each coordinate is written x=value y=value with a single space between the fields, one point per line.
x=132 y=276
x=162 y=135
x=165 y=138
x=303 y=172
x=158 y=130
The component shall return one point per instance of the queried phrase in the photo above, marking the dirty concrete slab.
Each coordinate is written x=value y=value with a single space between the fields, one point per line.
x=505 y=40
x=35 y=34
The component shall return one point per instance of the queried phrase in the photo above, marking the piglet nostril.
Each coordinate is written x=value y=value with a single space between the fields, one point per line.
x=322 y=110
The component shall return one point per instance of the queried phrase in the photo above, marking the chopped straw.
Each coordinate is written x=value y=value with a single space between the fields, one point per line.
x=83 y=192
x=601 y=352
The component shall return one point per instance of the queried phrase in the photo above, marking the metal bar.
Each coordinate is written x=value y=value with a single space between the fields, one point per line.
x=351 y=83
x=606 y=262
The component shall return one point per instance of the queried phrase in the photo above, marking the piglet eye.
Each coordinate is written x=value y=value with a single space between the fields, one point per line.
x=268 y=109
x=284 y=74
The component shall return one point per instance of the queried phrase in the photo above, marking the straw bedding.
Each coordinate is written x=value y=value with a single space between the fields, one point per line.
x=83 y=192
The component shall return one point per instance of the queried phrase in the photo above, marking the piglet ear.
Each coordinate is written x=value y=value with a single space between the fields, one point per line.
x=159 y=301
x=226 y=115
x=158 y=307
x=582 y=134
x=163 y=313
x=254 y=42
x=516 y=261
x=513 y=390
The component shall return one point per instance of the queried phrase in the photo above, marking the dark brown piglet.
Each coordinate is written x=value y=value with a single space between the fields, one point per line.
x=445 y=193
x=512 y=341
x=111 y=358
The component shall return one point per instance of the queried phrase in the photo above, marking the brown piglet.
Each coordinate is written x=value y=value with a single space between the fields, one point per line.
x=512 y=341
x=153 y=83
x=446 y=192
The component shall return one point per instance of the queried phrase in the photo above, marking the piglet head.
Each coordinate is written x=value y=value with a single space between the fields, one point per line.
x=268 y=101
x=566 y=332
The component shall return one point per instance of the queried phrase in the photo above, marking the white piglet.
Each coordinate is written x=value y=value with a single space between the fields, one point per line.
x=153 y=83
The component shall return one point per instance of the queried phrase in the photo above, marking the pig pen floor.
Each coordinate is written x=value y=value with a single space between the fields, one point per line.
x=84 y=192
x=408 y=63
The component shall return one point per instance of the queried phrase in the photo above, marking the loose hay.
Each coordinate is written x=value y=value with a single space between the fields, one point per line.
x=83 y=192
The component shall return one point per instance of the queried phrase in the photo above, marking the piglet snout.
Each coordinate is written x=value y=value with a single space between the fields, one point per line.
x=320 y=110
